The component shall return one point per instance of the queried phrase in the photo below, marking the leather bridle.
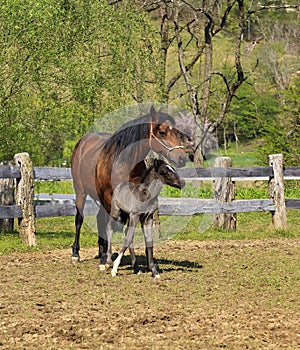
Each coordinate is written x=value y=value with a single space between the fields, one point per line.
x=169 y=149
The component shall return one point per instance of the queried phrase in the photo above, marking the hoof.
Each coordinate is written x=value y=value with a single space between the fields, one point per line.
x=157 y=276
x=113 y=273
x=102 y=267
x=75 y=259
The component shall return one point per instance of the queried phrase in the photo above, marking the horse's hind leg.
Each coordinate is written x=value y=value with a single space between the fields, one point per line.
x=76 y=245
x=80 y=201
x=104 y=249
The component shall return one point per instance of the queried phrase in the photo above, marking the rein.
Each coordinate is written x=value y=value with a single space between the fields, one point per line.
x=169 y=149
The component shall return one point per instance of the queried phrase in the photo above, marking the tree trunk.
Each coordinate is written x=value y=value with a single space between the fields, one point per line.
x=164 y=37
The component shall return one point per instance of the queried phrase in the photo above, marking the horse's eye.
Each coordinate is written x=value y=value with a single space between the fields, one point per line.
x=162 y=133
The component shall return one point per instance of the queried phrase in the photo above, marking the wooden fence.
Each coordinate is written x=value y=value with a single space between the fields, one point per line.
x=29 y=206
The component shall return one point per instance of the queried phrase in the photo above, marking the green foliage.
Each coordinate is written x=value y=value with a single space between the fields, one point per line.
x=249 y=112
x=50 y=187
x=189 y=191
x=63 y=64
x=282 y=135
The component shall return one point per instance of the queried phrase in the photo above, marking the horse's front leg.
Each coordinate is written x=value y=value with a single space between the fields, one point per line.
x=147 y=225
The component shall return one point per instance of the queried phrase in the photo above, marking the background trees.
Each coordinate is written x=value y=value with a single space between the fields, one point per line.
x=64 y=63
x=217 y=44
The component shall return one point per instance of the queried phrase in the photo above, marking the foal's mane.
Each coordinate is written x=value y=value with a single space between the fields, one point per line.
x=146 y=173
x=131 y=132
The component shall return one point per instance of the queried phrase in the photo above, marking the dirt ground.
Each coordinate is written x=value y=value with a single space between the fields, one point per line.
x=211 y=295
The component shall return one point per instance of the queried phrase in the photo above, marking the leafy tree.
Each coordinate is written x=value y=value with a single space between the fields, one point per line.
x=282 y=135
x=65 y=63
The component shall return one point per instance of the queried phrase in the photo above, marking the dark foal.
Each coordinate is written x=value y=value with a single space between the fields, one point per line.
x=139 y=202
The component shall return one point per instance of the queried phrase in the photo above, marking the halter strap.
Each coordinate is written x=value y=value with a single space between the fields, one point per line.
x=169 y=149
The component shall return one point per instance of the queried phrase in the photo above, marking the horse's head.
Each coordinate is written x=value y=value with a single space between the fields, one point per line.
x=167 y=175
x=163 y=137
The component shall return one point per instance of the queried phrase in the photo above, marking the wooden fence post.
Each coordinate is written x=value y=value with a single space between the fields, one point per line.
x=25 y=198
x=276 y=192
x=224 y=192
x=6 y=198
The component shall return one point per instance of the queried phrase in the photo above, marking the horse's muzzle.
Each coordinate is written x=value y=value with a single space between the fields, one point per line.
x=182 y=183
x=178 y=162
x=179 y=184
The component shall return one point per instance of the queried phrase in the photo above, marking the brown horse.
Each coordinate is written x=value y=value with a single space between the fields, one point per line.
x=101 y=161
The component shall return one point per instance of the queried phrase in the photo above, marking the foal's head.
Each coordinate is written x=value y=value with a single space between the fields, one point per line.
x=165 y=173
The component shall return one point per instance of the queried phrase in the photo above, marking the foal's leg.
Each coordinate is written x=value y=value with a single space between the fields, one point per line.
x=147 y=224
x=133 y=220
x=80 y=201
x=109 y=232
x=136 y=268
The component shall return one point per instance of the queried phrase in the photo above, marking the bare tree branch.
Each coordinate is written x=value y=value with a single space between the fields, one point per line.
x=188 y=67
x=224 y=79
x=225 y=16
x=272 y=7
x=191 y=90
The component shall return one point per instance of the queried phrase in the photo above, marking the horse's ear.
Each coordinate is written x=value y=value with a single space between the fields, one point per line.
x=153 y=115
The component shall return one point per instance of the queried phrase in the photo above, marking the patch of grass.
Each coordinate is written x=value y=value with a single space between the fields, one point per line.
x=243 y=190
x=53 y=187
x=251 y=193
x=59 y=233
x=10 y=242
x=189 y=191
x=52 y=233
x=249 y=226
x=245 y=156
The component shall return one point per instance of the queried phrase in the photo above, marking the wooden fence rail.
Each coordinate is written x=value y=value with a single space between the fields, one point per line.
x=64 y=205
x=242 y=174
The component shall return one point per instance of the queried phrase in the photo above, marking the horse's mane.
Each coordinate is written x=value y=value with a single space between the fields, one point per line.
x=131 y=132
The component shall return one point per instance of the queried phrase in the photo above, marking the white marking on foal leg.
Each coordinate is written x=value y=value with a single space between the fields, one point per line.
x=114 y=270
x=102 y=267
x=75 y=259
